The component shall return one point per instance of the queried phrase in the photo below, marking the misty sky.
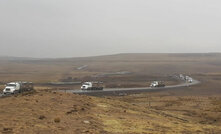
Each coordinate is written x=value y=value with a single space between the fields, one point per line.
x=72 y=28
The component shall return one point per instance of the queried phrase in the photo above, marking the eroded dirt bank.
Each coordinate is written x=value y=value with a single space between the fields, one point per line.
x=47 y=112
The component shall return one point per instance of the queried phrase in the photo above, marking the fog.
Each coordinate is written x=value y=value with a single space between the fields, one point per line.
x=73 y=28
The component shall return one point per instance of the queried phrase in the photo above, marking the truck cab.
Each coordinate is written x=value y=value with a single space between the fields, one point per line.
x=86 y=85
x=154 y=84
x=11 y=88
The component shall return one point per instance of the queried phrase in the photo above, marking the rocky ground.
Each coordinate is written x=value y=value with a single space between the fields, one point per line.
x=47 y=112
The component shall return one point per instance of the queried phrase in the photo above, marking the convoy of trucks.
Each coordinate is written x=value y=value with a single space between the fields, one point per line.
x=162 y=84
x=18 y=87
x=99 y=85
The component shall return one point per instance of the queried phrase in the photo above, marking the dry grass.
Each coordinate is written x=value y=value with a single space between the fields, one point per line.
x=139 y=64
x=168 y=114
x=46 y=113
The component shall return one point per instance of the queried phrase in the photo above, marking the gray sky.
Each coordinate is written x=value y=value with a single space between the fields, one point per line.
x=70 y=28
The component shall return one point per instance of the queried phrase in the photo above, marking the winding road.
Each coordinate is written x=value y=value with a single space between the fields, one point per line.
x=124 y=91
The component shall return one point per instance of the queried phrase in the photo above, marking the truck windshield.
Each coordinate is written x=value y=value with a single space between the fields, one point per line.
x=86 y=84
x=11 y=85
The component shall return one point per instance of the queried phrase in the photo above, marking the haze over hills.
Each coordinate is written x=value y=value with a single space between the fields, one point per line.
x=129 y=56
x=11 y=58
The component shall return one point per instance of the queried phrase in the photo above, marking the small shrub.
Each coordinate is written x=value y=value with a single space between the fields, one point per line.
x=57 y=120
x=41 y=117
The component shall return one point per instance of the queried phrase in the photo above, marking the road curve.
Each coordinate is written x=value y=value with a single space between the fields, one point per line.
x=122 y=91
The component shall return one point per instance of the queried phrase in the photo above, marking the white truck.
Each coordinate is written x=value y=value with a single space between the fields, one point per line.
x=190 y=80
x=157 y=84
x=92 y=86
x=17 y=87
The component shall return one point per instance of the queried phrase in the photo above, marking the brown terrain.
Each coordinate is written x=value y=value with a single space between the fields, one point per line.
x=195 y=109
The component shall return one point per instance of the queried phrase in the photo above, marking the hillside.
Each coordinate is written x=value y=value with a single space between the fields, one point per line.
x=195 y=109
x=49 y=112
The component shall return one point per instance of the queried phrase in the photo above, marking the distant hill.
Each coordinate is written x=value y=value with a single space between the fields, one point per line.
x=17 y=58
x=144 y=56
x=123 y=56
